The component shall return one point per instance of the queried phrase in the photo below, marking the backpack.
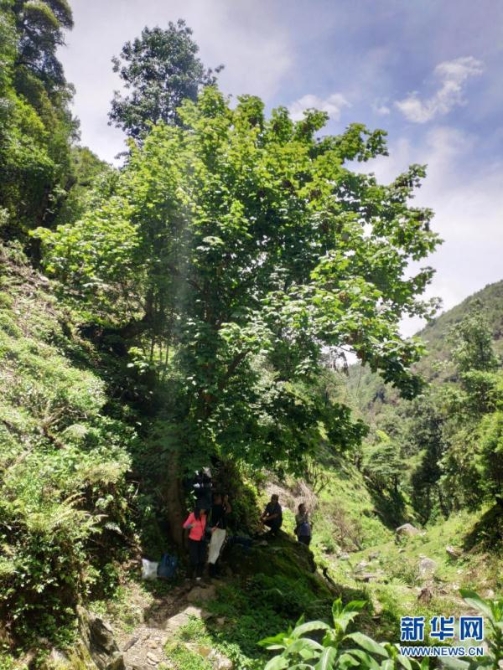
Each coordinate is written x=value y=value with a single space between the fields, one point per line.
x=167 y=567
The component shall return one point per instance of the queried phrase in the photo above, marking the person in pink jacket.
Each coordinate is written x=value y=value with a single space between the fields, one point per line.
x=196 y=525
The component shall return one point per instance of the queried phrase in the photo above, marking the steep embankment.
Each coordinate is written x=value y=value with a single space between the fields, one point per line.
x=63 y=516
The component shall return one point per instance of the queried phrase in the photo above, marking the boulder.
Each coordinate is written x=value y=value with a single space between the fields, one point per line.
x=362 y=565
x=97 y=636
x=426 y=566
x=407 y=530
x=453 y=552
x=201 y=594
x=282 y=556
x=219 y=661
x=183 y=618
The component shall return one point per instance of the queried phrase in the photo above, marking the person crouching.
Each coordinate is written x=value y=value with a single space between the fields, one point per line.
x=272 y=516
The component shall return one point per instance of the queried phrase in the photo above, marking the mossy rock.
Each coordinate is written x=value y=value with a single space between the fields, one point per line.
x=280 y=555
x=283 y=557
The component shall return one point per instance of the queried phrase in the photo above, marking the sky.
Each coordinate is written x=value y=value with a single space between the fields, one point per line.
x=426 y=71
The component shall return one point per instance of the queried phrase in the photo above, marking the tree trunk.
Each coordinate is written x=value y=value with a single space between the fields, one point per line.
x=174 y=501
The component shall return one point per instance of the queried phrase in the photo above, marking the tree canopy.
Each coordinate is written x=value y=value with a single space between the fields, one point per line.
x=245 y=246
x=40 y=25
x=159 y=70
x=36 y=126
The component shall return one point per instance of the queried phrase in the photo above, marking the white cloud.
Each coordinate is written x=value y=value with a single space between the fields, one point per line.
x=245 y=37
x=452 y=76
x=468 y=206
x=381 y=109
x=333 y=105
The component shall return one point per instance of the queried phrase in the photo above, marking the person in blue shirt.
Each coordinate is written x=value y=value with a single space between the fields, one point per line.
x=302 y=525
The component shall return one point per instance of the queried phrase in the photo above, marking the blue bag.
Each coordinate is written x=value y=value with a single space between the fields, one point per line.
x=167 y=567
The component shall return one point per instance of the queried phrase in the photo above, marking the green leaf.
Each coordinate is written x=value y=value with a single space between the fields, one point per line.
x=347 y=661
x=327 y=660
x=304 y=647
x=477 y=602
x=356 y=605
x=368 y=644
x=405 y=662
x=275 y=639
x=308 y=627
x=366 y=661
x=277 y=663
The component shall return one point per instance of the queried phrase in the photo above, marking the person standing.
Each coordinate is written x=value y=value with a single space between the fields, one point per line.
x=220 y=510
x=201 y=487
x=272 y=516
x=302 y=525
x=196 y=525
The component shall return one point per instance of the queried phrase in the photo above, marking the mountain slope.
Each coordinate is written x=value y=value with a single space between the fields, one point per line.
x=366 y=391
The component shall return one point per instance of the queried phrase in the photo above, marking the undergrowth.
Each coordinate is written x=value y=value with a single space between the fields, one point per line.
x=64 y=519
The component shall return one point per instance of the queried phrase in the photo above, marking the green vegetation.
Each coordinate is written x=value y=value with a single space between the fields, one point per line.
x=191 y=309
x=36 y=126
x=441 y=452
x=161 y=70
x=195 y=262
x=336 y=650
x=63 y=495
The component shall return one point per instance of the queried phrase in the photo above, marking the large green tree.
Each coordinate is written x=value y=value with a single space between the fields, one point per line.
x=245 y=246
x=36 y=126
x=40 y=26
x=159 y=70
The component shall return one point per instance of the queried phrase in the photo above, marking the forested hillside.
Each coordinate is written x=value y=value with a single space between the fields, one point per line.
x=436 y=333
x=444 y=446
x=193 y=309
x=438 y=336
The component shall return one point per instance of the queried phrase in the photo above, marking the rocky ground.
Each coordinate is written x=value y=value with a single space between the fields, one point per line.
x=143 y=648
x=157 y=618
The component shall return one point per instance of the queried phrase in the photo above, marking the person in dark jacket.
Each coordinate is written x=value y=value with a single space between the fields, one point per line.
x=272 y=516
x=218 y=524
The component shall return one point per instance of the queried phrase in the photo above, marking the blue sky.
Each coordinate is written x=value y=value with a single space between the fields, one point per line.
x=427 y=71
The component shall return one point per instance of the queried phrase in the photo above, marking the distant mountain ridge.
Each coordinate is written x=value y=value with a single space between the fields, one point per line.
x=435 y=333
x=366 y=390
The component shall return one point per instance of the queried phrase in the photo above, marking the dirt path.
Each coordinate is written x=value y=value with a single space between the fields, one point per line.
x=143 y=647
